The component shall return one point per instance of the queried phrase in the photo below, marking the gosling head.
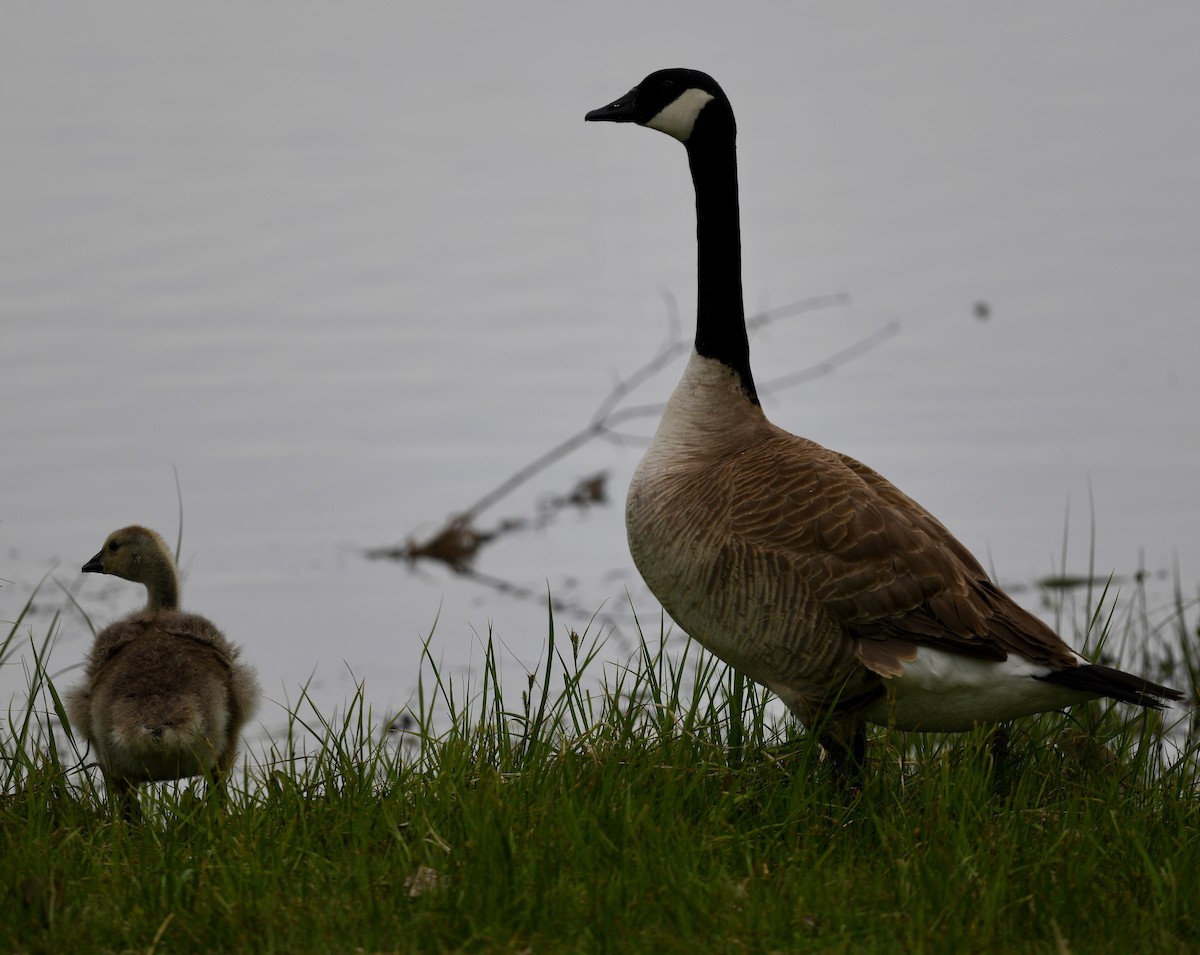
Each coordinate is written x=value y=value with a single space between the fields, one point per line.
x=138 y=554
x=681 y=103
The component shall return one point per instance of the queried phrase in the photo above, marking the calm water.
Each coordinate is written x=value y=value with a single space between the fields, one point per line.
x=347 y=271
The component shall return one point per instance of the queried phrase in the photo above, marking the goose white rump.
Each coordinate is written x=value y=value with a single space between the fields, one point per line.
x=948 y=692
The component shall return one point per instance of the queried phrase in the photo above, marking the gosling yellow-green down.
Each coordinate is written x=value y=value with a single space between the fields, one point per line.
x=164 y=696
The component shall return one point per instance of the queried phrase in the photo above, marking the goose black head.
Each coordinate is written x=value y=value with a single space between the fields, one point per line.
x=678 y=102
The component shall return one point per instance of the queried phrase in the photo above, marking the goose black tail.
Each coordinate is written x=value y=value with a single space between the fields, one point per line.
x=1117 y=684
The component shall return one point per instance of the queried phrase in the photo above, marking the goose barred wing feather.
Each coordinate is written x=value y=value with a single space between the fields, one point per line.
x=878 y=563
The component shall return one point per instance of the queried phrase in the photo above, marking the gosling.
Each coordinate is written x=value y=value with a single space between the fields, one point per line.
x=163 y=696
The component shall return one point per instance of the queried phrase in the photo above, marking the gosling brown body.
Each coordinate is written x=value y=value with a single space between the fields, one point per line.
x=164 y=696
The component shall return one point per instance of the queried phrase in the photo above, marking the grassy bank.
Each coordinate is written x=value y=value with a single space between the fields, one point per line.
x=658 y=805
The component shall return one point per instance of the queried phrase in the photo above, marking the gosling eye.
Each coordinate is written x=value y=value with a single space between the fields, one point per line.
x=113 y=545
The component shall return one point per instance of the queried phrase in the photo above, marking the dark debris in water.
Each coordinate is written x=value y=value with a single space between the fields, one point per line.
x=454 y=545
x=1073 y=581
x=458 y=541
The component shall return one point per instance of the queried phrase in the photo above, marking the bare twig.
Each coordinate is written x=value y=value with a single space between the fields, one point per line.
x=828 y=366
x=458 y=540
x=833 y=362
x=606 y=413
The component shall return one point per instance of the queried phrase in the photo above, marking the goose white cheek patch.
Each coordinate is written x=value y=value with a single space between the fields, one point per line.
x=678 y=117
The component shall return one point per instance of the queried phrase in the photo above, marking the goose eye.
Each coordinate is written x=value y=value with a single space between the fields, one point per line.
x=113 y=545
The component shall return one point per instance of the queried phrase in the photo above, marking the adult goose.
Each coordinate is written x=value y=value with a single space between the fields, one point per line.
x=163 y=696
x=800 y=566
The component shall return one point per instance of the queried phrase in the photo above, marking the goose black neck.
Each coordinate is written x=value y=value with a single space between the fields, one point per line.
x=720 y=314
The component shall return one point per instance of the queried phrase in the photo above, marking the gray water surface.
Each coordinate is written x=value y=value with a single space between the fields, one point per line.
x=345 y=269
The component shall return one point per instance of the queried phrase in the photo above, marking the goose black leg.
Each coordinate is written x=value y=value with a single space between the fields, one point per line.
x=847 y=755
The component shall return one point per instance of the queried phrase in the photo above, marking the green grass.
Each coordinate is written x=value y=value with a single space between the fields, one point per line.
x=612 y=807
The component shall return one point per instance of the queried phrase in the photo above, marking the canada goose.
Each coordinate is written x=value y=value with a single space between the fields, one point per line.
x=163 y=696
x=800 y=566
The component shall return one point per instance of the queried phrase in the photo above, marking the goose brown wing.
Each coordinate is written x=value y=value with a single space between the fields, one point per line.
x=876 y=561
